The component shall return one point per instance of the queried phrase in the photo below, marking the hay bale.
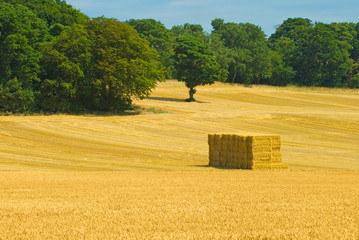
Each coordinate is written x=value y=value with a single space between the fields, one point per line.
x=211 y=140
x=276 y=157
x=235 y=143
x=222 y=159
x=217 y=142
x=216 y=158
x=276 y=142
x=245 y=152
x=271 y=166
x=259 y=156
x=224 y=142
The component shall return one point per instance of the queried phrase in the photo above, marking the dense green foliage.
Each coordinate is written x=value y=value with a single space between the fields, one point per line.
x=52 y=11
x=320 y=54
x=100 y=65
x=243 y=50
x=186 y=29
x=53 y=58
x=21 y=32
x=159 y=37
x=68 y=63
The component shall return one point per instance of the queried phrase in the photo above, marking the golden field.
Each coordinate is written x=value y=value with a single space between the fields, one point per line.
x=318 y=130
x=180 y=205
x=147 y=176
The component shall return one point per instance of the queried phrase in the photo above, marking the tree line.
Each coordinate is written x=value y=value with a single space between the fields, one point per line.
x=53 y=58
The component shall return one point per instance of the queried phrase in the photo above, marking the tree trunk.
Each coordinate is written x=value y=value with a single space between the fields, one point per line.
x=234 y=76
x=192 y=91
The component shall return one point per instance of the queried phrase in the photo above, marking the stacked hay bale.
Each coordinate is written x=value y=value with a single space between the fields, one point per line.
x=245 y=152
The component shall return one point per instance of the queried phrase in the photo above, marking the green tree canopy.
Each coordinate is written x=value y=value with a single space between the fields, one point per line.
x=158 y=36
x=289 y=28
x=102 y=65
x=66 y=70
x=52 y=11
x=21 y=33
x=188 y=29
x=318 y=53
x=241 y=49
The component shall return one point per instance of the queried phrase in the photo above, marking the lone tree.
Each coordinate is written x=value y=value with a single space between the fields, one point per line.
x=195 y=64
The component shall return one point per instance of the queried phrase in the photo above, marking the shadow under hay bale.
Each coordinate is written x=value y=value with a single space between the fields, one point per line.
x=245 y=152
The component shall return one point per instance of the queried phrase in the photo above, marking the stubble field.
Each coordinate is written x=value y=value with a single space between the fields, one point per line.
x=146 y=176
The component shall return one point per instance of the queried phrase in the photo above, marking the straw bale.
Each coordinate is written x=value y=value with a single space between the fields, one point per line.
x=260 y=149
x=260 y=166
x=211 y=163
x=217 y=142
x=224 y=142
x=211 y=140
x=223 y=158
x=224 y=138
x=211 y=157
x=278 y=166
x=216 y=158
x=227 y=139
x=230 y=161
x=217 y=147
x=276 y=141
x=217 y=138
x=235 y=143
x=242 y=144
x=260 y=140
x=229 y=157
x=270 y=166
x=245 y=152
x=259 y=154
x=236 y=159
x=276 y=157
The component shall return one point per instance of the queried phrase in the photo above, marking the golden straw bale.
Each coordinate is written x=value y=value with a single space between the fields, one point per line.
x=276 y=157
x=230 y=161
x=260 y=166
x=276 y=141
x=229 y=145
x=222 y=159
x=234 y=144
x=242 y=144
x=260 y=156
x=245 y=151
x=217 y=142
x=224 y=142
x=235 y=140
x=216 y=158
x=234 y=159
x=270 y=166
x=211 y=140
x=211 y=157
x=259 y=140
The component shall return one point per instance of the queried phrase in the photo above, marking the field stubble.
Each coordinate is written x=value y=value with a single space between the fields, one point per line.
x=146 y=176
x=318 y=130
x=180 y=205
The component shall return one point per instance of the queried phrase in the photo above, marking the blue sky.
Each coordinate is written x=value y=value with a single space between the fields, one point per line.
x=266 y=14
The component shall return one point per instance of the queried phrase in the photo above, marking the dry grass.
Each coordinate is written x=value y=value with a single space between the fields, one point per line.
x=149 y=178
x=231 y=204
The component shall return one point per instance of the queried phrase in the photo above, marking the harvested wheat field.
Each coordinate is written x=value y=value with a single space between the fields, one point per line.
x=147 y=176
x=229 y=204
x=318 y=130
